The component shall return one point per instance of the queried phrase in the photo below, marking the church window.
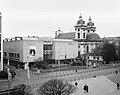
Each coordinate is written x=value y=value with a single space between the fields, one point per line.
x=88 y=31
x=78 y=53
x=83 y=35
x=87 y=49
x=78 y=29
x=88 y=57
x=78 y=35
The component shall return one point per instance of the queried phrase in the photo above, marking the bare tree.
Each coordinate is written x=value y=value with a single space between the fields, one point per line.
x=56 y=87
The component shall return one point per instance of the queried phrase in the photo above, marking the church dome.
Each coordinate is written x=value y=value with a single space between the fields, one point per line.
x=80 y=21
x=92 y=36
x=90 y=23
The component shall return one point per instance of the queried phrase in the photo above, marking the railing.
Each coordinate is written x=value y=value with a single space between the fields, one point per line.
x=9 y=92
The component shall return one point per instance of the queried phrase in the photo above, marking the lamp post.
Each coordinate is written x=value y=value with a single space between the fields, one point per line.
x=9 y=76
x=28 y=71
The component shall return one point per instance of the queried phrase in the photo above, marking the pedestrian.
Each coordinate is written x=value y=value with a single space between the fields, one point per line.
x=38 y=71
x=118 y=85
x=85 y=88
x=76 y=83
x=76 y=70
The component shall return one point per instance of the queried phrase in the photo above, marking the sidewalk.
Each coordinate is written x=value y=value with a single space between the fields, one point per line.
x=97 y=86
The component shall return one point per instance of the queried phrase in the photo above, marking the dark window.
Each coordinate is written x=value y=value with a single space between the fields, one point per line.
x=83 y=35
x=88 y=57
x=78 y=29
x=12 y=55
x=15 y=55
x=18 y=55
x=78 y=35
x=87 y=49
x=47 y=47
x=94 y=57
x=79 y=53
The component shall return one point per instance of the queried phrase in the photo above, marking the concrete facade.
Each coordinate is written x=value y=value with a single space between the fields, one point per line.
x=19 y=50
x=64 y=49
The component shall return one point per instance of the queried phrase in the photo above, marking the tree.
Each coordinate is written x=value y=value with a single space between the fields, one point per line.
x=97 y=50
x=109 y=52
x=56 y=87
x=22 y=89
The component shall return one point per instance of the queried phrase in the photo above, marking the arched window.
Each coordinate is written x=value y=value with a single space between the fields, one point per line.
x=83 y=35
x=78 y=35
x=87 y=49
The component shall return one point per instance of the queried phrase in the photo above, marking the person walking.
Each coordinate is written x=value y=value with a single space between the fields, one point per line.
x=85 y=88
x=76 y=83
x=38 y=71
x=118 y=86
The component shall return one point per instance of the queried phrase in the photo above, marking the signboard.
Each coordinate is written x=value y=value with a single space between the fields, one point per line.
x=47 y=41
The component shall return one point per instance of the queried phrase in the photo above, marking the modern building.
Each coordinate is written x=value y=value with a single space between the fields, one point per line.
x=32 y=49
x=23 y=49
x=64 y=49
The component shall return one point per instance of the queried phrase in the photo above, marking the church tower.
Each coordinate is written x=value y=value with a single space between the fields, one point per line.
x=80 y=29
x=90 y=26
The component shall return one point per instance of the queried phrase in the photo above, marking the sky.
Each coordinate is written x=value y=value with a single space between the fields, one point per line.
x=44 y=17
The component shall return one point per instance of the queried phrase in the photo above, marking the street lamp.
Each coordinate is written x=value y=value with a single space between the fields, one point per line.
x=9 y=76
x=28 y=71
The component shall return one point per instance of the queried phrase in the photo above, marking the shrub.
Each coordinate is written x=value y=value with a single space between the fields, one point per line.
x=3 y=75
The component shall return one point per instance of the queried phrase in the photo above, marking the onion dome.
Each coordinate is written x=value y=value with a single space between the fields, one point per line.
x=90 y=23
x=80 y=21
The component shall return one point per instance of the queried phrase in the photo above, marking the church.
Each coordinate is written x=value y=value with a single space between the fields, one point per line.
x=85 y=36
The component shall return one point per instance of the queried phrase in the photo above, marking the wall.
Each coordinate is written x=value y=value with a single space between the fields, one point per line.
x=64 y=47
x=14 y=47
x=27 y=45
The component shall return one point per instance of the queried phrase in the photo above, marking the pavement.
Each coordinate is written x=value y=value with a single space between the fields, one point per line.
x=97 y=86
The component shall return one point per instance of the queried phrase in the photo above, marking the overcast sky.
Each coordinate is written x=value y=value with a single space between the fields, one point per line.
x=43 y=17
